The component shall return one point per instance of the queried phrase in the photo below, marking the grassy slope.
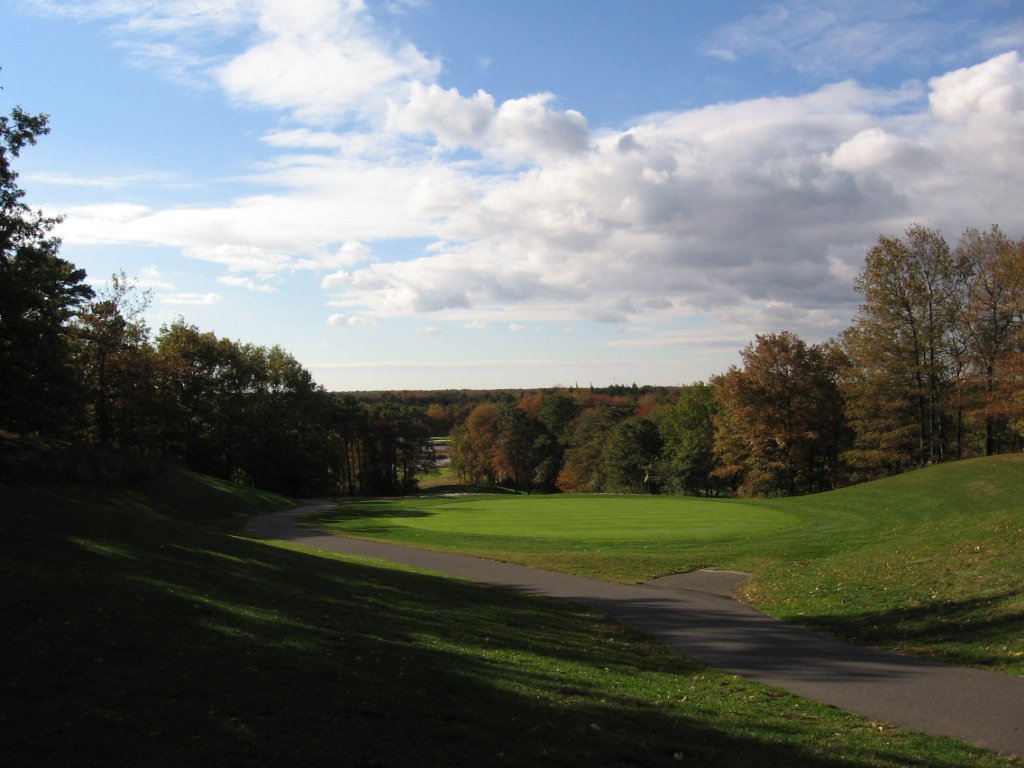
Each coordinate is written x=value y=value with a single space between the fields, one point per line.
x=930 y=562
x=138 y=631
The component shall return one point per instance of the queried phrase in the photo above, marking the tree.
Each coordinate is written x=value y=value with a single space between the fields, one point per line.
x=779 y=428
x=688 y=428
x=473 y=445
x=197 y=385
x=902 y=352
x=991 y=321
x=39 y=294
x=630 y=455
x=583 y=470
x=118 y=368
x=512 y=457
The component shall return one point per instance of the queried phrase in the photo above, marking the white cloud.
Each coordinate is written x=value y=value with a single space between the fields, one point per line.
x=763 y=207
x=321 y=60
x=247 y=283
x=520 y=129
x=351 y=321
x=993 y=90
x=875 y=148
x=103 y=182
x=454 y=120
x=528 y=128
x=192 y=299
x=766 y=206
x=335 y=280
x=152 y=278
x=304 y=138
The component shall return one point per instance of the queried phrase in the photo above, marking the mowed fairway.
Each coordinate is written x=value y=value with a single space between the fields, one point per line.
x=930 y=562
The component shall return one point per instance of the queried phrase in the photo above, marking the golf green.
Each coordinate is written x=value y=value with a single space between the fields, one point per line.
x=582 y=518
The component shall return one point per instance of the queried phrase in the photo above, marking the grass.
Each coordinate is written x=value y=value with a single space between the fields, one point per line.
x=140 y=631
x=930 y=562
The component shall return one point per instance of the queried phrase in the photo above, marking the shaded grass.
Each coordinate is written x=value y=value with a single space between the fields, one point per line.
x=136 y=636
x=930 y=562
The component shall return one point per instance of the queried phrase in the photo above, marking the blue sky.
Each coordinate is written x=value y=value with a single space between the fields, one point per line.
x=416 y=194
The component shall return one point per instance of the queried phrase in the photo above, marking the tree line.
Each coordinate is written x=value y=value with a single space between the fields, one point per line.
x=88 y=392
x=931 y=369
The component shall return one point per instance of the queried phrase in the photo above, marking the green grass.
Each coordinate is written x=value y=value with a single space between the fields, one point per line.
x=140 y=631
x=930 y=562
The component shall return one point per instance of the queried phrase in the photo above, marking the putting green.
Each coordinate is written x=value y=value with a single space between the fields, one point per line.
x=580 y=518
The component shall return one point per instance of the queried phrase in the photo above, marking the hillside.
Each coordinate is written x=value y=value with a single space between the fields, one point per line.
x=140 y=631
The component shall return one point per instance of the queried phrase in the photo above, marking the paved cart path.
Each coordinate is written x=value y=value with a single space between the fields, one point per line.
x=976 y=706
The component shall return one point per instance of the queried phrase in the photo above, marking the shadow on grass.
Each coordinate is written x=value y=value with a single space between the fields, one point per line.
x=136 y=640
x=956 y=631
x=446 y=490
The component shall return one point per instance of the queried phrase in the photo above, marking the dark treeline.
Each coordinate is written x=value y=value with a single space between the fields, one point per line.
x=87 y=392
x=239 y=411
x=931 y=369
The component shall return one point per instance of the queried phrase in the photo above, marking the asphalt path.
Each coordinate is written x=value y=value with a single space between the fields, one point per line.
x=979 y=707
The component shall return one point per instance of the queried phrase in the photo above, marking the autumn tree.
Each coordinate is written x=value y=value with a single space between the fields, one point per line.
x=779 y=428
x=990 y=324
x=583 y=470
x=473 y=444
x=903 y=352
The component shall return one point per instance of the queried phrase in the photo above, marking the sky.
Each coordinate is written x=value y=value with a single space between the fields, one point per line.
x=447 y=194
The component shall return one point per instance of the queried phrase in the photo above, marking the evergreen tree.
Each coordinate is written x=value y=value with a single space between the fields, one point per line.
x=39 y=294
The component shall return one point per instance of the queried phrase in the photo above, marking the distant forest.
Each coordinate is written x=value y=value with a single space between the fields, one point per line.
x=931 y=369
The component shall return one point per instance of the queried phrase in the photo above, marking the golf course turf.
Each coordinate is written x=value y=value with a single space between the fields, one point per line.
x=141 y=631
x=930 y=562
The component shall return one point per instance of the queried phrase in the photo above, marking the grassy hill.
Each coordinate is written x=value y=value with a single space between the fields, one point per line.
x=930 y=562
x=140 y=631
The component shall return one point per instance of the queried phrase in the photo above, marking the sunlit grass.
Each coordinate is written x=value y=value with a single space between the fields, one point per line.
x=930 y=562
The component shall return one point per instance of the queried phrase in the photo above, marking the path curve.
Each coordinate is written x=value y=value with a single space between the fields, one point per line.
x=977 y=706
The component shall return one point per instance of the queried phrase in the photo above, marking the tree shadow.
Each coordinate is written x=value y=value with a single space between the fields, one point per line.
x=957 y=631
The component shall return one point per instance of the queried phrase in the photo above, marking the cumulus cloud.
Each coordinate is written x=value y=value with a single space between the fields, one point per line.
x=753 y=215
x=988 y=91
x=765 y=207
x=451 y=118
x=519 y=129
